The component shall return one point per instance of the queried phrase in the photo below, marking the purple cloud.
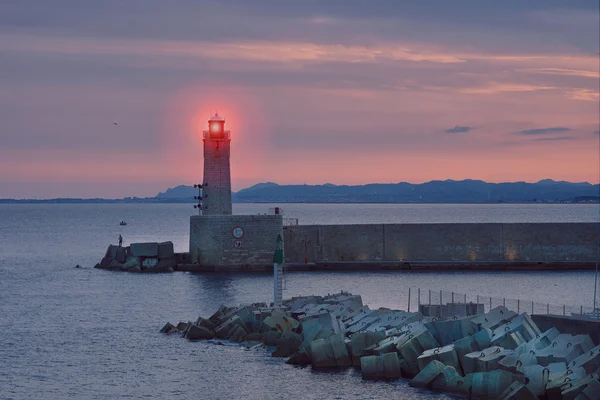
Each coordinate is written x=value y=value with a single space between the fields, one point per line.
x=544 y=131
x=459 y=129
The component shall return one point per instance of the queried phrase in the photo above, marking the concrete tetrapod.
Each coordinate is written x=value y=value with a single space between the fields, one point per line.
x=479 y=341
x=539 y=376
x=205 y=323
x=450 y=330
x=524 y=354
x=590 y=360
x=311 y=333
x=360 y=341
x=520 y=329
x=296 y=304
x=386 y=366
x=485 y=360
x=564 y=348
x=245 y=313
x=330 y=352
x=491 y=385
x=362 y=311
x=493 y=319
x=386 y=345
x=223 y=330
x=446 y=354
x=438 y=376
x=590 y=390
x=362 y=318
x=385 y=322
x=168 y=328
x=194 y=332
x=287 y=344
x=412 y=345
x=279 y=322
x=328 y=323
x=582 y=389
x=517 y=391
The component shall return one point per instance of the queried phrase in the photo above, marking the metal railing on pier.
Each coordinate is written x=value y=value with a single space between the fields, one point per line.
x=452 y=301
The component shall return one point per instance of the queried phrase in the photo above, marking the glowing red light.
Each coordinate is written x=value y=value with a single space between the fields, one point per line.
x=215 y=127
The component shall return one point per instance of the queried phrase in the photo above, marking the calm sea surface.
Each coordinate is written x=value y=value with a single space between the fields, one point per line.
x=92 y=334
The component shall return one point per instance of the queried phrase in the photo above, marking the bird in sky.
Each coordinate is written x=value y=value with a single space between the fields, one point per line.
x=114 y=123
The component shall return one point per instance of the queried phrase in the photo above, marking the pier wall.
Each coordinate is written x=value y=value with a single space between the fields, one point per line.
x=455 y=242
x=233 y=240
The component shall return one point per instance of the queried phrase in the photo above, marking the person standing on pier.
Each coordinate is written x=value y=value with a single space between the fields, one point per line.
x=120 y=240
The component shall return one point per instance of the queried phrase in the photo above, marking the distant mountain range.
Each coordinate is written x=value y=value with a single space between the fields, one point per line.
x=448 y=191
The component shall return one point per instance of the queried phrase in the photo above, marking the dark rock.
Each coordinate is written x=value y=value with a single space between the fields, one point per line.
x=78 y=266
x=239 y=334
x=111 y=251
x=165 y=250
x=168 y=328
x=270 y=337
x=225 y=330
x=288 y=344
x=166 y=264
x=195 y=332
x=220 y=313
x=182 y=326
x=230 y=332
x=120 y=255
x=300 y=358
x=105 y=263
x=254 y=337
x=205 y=323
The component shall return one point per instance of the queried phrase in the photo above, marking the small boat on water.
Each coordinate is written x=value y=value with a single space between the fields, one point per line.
x=122 y=223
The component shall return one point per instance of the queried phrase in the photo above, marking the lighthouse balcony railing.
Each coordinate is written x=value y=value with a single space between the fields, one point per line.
x=216 y=135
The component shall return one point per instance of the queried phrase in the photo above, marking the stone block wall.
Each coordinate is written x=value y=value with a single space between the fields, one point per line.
x=527 y=242
x=222 y=240
x=217 y=177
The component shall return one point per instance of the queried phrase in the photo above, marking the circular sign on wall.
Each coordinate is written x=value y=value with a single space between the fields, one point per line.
x=238 y=232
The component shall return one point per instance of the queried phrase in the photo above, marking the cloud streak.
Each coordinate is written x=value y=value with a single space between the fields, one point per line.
x=554 y=139
x=544 y=131
x=459 y=129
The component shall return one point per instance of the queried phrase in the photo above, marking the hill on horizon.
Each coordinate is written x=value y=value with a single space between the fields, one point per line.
x=436 y=191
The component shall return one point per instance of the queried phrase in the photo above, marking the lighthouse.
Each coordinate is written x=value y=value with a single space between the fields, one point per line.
x=216 y=187
x=220 y=240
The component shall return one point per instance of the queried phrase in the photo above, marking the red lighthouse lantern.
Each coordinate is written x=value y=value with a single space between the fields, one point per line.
x=216 y=126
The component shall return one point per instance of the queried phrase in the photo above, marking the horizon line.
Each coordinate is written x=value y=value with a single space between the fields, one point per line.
x=296 y=184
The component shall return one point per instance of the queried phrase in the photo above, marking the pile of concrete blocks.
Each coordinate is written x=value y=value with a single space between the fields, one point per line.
x=497 y=355
x=140 y=257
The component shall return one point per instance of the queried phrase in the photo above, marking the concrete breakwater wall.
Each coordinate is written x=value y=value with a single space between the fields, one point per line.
x=460 y=242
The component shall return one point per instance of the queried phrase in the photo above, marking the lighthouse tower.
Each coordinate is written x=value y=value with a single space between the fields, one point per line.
x=216 y=198
x=220 y=240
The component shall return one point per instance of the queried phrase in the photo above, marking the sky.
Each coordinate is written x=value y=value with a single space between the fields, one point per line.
x=343 y=92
